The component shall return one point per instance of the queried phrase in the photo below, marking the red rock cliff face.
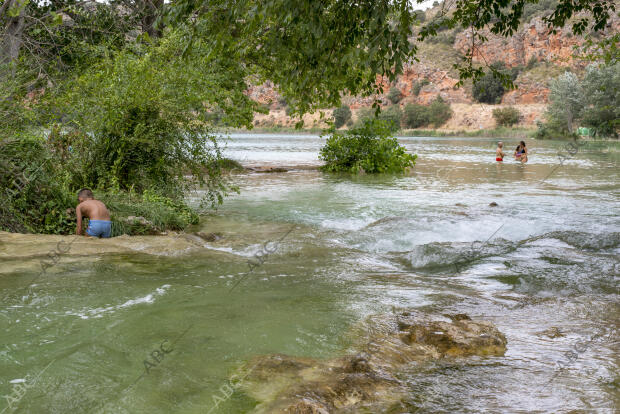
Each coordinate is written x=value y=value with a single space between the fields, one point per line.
x=534 y=41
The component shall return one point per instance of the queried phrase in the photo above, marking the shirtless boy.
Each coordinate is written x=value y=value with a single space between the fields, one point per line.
x=99 y=224
x=499 y=154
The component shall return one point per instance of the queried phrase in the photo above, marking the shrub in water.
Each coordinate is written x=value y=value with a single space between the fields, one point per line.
x=370 y=148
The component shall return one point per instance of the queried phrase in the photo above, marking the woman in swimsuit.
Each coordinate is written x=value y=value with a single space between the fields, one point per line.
x=521 y=152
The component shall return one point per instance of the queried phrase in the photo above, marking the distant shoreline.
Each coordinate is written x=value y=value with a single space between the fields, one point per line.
x=522 y=133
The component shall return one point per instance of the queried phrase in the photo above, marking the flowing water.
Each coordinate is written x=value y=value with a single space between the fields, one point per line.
x=305 y=257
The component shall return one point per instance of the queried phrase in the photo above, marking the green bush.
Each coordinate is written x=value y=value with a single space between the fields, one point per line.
x=392 y=115
x=34 y=197
x=436 y=114
x=417 y=86
x=601 y=86
x=439 y=112
x=489 y=89
x=342 y=115
x=506 y=116
x=447 y=38
x=415 y=116
x=363 y=115
x=395 y=95
x=370 y=148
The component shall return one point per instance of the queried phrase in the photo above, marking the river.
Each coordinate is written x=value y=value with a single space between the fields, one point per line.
x=305 y=257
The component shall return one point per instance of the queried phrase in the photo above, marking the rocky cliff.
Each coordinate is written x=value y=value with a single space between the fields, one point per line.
x=538 y=53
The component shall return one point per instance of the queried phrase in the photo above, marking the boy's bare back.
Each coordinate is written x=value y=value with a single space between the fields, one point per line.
x=93 y=209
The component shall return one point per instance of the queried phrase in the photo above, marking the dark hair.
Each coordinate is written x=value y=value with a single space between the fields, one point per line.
x=523 y=143
x=85 y=193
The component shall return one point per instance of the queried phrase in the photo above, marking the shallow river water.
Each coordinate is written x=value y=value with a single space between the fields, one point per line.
x=141 y=333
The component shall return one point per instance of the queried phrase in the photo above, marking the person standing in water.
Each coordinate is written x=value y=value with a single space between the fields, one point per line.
x=499 y=153
x=99 y=223
x=521 y=152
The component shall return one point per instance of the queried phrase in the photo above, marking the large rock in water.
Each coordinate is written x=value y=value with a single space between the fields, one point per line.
x=367 y=380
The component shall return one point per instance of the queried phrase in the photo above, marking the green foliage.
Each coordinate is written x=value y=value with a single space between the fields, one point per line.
x=363 y=115
x=592 y=102
x=342 y=115
x=34 y=197
x=566 y=101
x=392 y=116
x=417 y=86
x=370 y=148
x=312 y=50
x=435 y=114
x=415 y=116
x=147 y=214
x=489 y=89
x=395 y=95
x=178 y=206
x=445 y=37
x=439 y=112
x=601 y=87
x=506 y=116
x=143 y=120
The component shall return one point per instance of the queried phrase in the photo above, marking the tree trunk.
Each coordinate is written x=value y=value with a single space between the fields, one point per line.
x=12 y=31
x=152 y=10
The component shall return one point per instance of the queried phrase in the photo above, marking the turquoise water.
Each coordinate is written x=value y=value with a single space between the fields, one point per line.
x=335 y=249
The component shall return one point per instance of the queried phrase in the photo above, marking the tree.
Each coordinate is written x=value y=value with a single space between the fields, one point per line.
x=143 y=119
x=415 y=116
x=489 y=89
x=436 y=114
x=601 y=87
x=566 y=101
x=341 y=116
x=506 y=116
x=439 y=112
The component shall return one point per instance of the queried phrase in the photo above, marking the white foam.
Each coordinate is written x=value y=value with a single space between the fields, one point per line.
x=99 y=312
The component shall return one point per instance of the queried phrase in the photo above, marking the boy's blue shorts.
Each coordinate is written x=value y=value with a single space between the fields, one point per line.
x=99 y=228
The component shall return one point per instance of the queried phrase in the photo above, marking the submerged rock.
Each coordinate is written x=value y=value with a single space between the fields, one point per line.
x=270 y=169
x=210 y=237
x=366 y=381
x=553 y=332
x=493 y=204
